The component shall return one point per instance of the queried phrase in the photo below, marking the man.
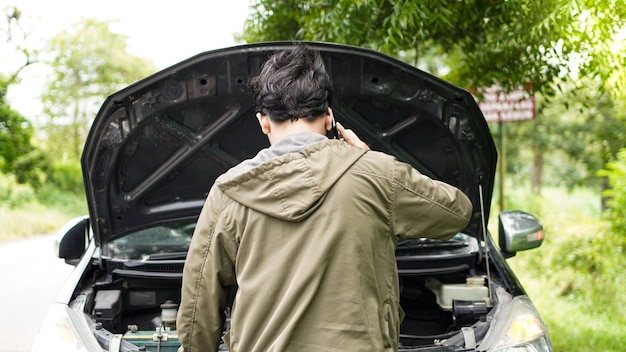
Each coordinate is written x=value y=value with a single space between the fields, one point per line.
x=307 y=229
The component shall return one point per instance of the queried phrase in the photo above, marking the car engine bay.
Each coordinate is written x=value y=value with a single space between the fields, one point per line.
x=136 y=301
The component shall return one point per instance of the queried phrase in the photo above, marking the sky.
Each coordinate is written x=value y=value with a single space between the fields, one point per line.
x=164 y=32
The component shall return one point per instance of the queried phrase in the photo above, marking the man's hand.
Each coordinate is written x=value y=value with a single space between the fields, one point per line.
x=350 y=137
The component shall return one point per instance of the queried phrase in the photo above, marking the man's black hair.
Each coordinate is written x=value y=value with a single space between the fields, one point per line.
x=292 y=84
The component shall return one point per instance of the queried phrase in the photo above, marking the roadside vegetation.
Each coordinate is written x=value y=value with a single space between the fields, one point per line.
x=567 y=166
x=575 y=278
x=25 y=212
x=40 y=178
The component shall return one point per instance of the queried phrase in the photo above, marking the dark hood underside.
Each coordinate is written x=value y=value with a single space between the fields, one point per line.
x=156 y=147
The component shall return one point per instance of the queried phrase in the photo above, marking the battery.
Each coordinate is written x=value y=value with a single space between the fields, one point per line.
x=167 y=342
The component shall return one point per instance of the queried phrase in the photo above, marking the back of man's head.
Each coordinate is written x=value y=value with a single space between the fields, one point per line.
x=292 y=84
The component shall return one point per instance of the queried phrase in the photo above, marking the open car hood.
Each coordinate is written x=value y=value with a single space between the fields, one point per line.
x=156 y=147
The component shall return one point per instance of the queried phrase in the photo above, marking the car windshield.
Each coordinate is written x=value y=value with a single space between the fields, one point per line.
x=161 y=239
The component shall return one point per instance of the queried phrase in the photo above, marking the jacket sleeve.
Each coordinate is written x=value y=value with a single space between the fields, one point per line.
x=423 y=207
x=209 y=270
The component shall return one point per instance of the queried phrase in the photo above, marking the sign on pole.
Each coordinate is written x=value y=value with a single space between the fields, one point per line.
x=500 y=106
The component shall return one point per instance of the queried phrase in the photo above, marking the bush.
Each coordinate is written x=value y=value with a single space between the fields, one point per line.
x=616 y=173
x=32 y=168
x=18 y=156
x=14 y=194
x=72 y=203
x=24 y=212
x=67 y=176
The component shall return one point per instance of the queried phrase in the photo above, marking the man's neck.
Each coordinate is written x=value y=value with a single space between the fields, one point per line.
x=286 y=128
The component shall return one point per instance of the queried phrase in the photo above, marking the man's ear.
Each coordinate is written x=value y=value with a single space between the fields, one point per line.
x=264 y=122
x=330 y=119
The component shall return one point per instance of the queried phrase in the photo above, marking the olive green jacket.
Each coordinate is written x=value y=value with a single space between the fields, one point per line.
x=309 y=237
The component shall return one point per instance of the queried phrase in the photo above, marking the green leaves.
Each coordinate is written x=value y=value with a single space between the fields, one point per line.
x=615 y=171
x=482 y=42
x=88 y=64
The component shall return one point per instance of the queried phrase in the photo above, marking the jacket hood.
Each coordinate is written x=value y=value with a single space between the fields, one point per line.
x=156 y=147
x=291 y=186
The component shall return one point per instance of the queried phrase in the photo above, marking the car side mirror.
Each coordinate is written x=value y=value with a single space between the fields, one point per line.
x=518 y=231
x=71 y=240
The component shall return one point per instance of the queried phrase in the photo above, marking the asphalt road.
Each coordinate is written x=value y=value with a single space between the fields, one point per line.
x=30 y=277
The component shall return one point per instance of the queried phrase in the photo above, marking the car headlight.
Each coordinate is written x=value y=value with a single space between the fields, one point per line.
x=65 y=329
x=517 y=327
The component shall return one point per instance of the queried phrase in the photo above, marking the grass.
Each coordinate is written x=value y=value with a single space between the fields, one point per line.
x=46 y=213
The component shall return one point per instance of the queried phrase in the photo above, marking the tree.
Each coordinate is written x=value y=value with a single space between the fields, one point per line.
x=482 y=42
x=13 y=37
x=15 y=145
x=88 y=64
x=574 y=135
x=18 y=156
x=552 y=44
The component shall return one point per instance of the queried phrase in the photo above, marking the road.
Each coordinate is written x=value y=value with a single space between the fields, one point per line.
x=30 y=276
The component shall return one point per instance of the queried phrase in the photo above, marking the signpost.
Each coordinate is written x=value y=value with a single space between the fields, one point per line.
x=498 y=105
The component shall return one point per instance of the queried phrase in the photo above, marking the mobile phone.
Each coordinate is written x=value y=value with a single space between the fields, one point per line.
x=334 y=132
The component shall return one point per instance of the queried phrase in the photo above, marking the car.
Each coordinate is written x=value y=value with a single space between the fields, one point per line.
x=156 y=147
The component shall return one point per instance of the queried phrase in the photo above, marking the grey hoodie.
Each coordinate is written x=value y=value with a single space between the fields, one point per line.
x=307 y=230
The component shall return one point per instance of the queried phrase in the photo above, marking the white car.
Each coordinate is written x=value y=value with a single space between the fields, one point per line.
x=156 y=147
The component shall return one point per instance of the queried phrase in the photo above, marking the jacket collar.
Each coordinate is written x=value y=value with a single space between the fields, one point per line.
x=290 y=144
x=292 y=185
